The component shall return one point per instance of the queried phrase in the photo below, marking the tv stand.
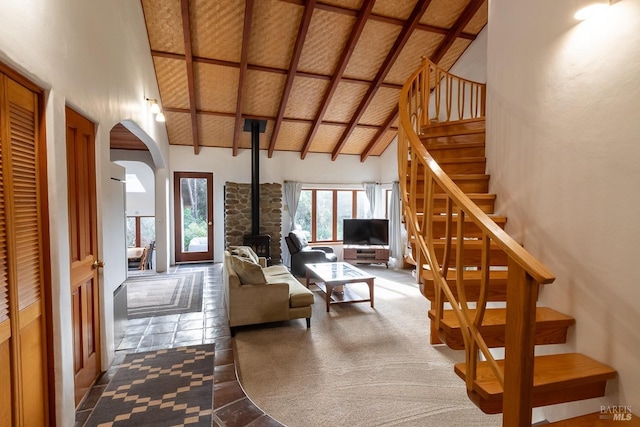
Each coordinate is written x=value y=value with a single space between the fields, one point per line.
x=366 y=254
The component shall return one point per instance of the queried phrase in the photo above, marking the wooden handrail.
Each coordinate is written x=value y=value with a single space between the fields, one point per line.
x=432 y=96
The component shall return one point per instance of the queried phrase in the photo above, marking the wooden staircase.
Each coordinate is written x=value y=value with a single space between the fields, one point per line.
x=466 y=260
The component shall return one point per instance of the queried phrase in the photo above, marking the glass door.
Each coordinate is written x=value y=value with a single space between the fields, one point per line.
x=193 y=208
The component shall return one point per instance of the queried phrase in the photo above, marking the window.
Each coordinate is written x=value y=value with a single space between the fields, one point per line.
x=320 y=212
x=141 y=230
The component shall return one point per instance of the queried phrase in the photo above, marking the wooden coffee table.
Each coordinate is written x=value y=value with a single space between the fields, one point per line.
x=334 y=274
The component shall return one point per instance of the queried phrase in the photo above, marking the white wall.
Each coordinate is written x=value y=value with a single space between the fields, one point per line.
x=93 y=56
x=143 y=203
x=562 y=146
x=283 y=166
x=472 y=64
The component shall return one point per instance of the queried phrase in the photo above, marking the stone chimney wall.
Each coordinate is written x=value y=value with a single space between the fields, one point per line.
x=237 y=215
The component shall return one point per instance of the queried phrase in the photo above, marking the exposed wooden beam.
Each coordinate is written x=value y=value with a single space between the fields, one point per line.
x=378 y=137
x=403 y=37
x=356 y=31
x=303 y=29
x=255 y=117
x=186 y=31
x=246 y=33
x=440 y=52
x=380 y=18
x=254 y=67
x=455 y=31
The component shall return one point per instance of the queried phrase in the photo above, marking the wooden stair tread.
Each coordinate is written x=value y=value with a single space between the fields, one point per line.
x=461 y=177
x=551 y=327
x=557 y=378
x=498 y=219
x=597 y=420
x=471 y=275
x=545 y=317
x=472 y=279
x=485 y=201
x=434 y=146
x=458 y=127
x=463 y=160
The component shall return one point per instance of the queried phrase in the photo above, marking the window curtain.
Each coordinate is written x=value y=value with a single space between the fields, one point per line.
x=396 y=245
x=292 y=190
x=370 y=191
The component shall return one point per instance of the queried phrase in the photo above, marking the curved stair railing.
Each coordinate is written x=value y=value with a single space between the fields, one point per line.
x=430 y=97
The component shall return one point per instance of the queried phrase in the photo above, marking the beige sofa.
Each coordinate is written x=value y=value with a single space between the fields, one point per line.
x=274 y=296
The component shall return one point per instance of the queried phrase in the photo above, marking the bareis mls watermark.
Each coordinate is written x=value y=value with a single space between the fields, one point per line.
x=616 y=413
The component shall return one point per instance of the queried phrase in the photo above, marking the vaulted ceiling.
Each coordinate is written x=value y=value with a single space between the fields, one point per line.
x=325 y=75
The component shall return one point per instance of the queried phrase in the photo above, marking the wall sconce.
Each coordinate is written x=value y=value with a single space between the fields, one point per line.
x=593 y=9
x=154 y=107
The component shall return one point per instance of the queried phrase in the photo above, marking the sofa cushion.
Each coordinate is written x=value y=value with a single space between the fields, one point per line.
x=275 y=270
x=245 y=252
x=298 y=239
x=300 y=296
x=248 y=272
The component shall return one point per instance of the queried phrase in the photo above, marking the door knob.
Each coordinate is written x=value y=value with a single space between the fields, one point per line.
x=97 y=264
x=210 y=223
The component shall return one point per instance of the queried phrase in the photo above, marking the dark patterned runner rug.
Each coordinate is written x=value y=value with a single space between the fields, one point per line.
x=172 y=387
x=163 y=294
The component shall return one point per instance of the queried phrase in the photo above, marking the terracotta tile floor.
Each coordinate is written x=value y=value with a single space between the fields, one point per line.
x=231 y=405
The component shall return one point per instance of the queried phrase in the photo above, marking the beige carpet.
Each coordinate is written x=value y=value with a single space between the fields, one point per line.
x=358 y=366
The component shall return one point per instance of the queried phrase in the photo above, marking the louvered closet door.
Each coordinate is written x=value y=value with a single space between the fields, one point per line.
x=23 y=353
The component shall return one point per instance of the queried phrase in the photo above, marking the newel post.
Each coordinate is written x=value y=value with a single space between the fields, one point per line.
x=522 y=294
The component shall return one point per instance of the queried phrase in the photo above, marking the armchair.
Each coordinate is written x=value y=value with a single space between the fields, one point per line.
x=302 y=253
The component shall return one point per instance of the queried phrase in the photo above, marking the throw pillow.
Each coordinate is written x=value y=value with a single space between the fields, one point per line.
x=298 y=239
x=248 y=272
x=245 y=252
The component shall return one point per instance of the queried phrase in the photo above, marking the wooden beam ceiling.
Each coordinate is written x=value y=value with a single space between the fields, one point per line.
x=381 y=131
x=186 y=31
x=440 y=52
x=456 y=30
x=293 y=67
x=246 y=34
x=403 y=37
x=220 y=39
x=356 y=31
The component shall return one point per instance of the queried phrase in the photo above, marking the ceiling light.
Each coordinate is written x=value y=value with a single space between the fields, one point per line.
x=160 y=118
x=591 y=10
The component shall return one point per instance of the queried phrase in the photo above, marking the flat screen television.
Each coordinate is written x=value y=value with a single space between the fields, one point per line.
x=365 y=232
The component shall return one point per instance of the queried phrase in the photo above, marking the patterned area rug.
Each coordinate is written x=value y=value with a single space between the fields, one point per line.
x=172 y=387
x=163 y=294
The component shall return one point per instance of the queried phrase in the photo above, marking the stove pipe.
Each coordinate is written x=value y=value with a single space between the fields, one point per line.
x=256 y=127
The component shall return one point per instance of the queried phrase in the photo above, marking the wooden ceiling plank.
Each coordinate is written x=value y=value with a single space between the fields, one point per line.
x=378 y=137
x=254 y=67
x=293 y=67
x=356 y=31
x=380 y=18
x=246 y=34
x=186 y=30
x=445 y=45
x=403 y=37
x=268 y=118
x=455 y=31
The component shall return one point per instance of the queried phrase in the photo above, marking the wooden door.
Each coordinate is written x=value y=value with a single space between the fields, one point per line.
x=81 y=175
x=193 y=207
x=24 y=259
